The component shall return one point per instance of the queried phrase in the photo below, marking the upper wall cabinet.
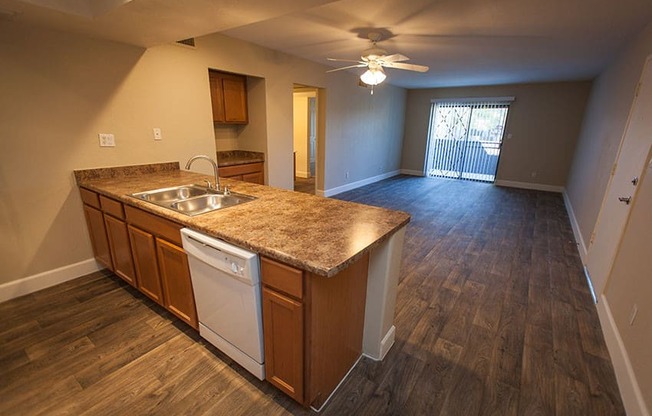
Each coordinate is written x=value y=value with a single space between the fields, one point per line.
x=228 y=97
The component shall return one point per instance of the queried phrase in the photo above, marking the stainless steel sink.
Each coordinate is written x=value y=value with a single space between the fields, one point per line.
x=177 y=193
x=206 y=203
x=192 y=199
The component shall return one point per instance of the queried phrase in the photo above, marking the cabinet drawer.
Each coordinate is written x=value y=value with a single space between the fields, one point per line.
x=235 y=170
x=112 y=207
x=90 y=198
x=156 y=225
x=281 y=277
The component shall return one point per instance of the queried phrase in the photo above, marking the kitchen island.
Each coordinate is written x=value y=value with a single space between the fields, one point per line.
x=345 y=256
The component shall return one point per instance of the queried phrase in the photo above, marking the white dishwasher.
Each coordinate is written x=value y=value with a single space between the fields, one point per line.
x=226 y=284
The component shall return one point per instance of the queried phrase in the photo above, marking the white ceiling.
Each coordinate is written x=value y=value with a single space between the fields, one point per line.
x=465 y=42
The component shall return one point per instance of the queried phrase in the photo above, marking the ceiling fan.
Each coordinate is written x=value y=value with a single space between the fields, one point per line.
x=375 y=59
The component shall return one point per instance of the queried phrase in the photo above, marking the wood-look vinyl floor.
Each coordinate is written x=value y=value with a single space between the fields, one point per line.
x=493 y=317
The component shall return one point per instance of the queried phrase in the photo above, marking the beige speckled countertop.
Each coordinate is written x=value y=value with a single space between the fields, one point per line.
x=320 y=235
x=238 y=157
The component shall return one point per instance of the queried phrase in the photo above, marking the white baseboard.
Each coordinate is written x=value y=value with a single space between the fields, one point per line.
x=358 y=184
x=385 y=345
x=529 y=185
x=46 y=279
x=411 y=172
x=576 y=227
x=630 y=391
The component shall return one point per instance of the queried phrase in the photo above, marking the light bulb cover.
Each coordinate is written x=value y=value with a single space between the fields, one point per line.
x=373 y=76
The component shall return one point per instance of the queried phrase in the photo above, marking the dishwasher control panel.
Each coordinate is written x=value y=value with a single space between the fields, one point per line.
x=230 y=259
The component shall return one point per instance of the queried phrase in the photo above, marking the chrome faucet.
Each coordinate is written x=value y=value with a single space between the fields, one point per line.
x=217 y=179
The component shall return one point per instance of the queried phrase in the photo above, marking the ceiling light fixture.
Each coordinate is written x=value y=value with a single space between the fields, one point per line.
x=374 y=75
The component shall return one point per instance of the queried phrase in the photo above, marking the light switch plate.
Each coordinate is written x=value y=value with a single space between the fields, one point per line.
x=107 y=140
x=157 y=133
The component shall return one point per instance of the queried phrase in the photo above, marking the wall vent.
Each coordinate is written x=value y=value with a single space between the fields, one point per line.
x=187 y=42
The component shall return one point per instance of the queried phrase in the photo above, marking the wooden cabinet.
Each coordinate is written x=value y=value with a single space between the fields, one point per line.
x=118 y=236
x=313 y=328
x=143 y=247
x=177 y=285
x=248 y=172
x=97 y=233
x=283 y=326
x=228 y=97
x=162 y=260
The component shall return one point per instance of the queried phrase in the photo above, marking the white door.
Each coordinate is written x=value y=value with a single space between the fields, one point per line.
x=622 y=186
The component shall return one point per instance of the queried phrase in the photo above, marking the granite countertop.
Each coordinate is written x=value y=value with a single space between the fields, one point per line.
x=320 y=235
x=238 y=157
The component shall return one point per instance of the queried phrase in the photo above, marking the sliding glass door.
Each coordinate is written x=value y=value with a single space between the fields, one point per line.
x=465 y=139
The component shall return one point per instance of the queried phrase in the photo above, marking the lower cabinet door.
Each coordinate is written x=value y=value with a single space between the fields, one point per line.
x=257 y=177
x=175 y=275
x=143 y=248
x=97 y=232
x=283 y=329
x=123 y=264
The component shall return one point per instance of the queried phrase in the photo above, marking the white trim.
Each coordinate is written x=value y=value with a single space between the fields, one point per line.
x=411 y=172
x=630 y=391
x=385 y=345
x=465 y=100
x=357 y=184
x=576 y=227
x=529 y=185
x=30 y=284
x=338 y=386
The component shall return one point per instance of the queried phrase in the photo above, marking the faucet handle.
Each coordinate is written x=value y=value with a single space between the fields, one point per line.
x=208 y=184
x=227 y=191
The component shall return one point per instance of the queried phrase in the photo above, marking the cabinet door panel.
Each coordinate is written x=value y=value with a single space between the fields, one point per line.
x=97 y=232
x=257 y=177
x=283 y=328
x=175 y=275
x=235 y=99
x=217 y=98
x=118 y=236
x=144 y=251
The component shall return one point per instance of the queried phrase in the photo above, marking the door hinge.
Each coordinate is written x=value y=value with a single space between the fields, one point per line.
x=592 y=238
x=613 y=169
x=638 y=89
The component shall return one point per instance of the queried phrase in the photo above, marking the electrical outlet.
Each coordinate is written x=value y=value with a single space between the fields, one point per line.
x=632 y=314
x=534 y=174
x=346 y=175
x=157 y=133
x=106 y=140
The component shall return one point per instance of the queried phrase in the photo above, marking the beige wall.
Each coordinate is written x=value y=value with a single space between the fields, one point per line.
x=631 y=283
x=602 y=131
x=544 y=121
x=61 y=90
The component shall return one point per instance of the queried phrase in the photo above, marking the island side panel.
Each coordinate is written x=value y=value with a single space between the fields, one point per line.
x=336 y=311
x=384 y=269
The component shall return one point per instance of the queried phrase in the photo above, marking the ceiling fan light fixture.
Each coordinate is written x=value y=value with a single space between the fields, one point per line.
x=373 y=76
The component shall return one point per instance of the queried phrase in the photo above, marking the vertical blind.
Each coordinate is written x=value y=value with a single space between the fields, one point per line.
x=465 y=138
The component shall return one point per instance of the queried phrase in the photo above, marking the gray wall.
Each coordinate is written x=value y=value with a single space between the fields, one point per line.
x=544 y=121
x=602 y=131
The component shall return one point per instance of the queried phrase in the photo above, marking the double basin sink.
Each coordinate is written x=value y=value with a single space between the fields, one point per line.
x=192 y=199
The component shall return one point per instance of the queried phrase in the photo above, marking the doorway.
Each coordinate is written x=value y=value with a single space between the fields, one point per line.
x=305 y=132
x=465 y=138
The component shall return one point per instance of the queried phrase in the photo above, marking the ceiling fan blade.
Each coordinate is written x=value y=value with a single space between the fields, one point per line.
x=344 y=60
x=347 y=67
x=397 y=57
x=409 y=67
